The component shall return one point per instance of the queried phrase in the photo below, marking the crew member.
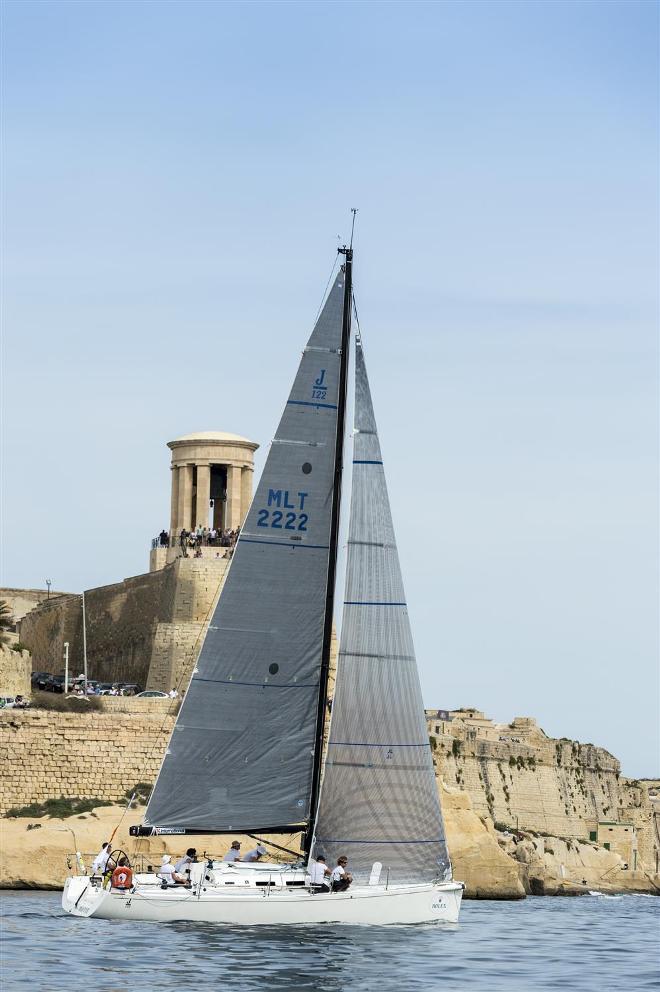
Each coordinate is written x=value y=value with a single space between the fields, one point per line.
x=256 y=854
x=101 y=860
x=341 y=879
x=318 y=872
x=122 y=876
x=234 y=852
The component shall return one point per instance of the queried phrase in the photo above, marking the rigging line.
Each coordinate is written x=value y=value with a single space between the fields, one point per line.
x=126 y=809
x=327 y=285
x=175 y=704
x=357 y=321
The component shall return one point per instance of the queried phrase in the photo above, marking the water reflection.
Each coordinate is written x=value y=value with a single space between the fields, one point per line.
x=583 y=945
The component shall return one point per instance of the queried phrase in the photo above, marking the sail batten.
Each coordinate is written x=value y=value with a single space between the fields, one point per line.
x=243 y=756
x=379 y=796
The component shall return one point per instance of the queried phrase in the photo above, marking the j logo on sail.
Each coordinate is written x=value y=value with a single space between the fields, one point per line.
x=320 y=388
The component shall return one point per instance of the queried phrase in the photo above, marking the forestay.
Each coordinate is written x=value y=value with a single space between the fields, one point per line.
x=379 y=800
x=241 y=754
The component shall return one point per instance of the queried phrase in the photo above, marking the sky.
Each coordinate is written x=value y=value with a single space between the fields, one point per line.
x=176 y=177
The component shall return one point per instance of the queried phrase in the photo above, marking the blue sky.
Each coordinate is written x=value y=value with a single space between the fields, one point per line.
x=175 y=178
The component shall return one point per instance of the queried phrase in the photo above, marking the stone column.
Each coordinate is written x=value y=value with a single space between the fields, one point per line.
x=203 y=496
x=174 y=507
x=185 y=496
x=246 y=491
x=233 y=517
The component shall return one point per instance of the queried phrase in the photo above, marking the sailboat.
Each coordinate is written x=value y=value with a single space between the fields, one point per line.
x=251 y=752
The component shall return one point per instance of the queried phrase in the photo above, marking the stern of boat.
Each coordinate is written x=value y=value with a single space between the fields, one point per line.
x=80 y=897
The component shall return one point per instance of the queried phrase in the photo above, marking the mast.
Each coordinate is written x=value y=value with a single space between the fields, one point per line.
x=334 y=541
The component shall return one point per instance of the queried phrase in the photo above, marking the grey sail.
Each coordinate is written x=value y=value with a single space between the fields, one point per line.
x=379 y=799
x=241 y=754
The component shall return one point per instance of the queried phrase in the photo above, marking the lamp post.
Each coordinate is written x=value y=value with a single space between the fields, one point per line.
x=84 y=644
x=66 y=667
x=49 y=583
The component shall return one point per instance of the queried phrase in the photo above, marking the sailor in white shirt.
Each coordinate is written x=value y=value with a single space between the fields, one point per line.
x=256 y=854
x=166 y=871
x=340 y=877
x=318 y=872
x=101 y=860
x=182 y=867
x=234 y=852
x=167 y=874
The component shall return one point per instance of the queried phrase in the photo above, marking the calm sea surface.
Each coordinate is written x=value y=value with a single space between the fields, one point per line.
x=588 y=943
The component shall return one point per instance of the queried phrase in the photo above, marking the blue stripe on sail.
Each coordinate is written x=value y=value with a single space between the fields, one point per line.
x=333 y=840
x=369 y=744
x=364 y=461
x=284 y=544
x=328 y=406
x=261 y=685
x=359 y=602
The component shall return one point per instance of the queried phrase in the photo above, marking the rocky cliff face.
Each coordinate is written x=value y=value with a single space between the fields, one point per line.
x=496 y=833
x=523 y=780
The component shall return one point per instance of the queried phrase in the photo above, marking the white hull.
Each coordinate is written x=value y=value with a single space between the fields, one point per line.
x=370 y=905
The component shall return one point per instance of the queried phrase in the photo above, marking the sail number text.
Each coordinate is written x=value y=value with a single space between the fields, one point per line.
x=286 y=513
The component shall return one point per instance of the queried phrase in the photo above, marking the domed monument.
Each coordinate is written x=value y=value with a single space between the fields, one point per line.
x=212 y=474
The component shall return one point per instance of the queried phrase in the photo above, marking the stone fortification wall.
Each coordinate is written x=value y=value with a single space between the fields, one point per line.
x=15 y=671
x=146 y=629
x=45 y=629
x=45 y=755
x=536 y=783
x=23 y=601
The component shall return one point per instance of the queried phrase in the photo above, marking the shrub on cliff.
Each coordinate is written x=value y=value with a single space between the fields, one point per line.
x=59 y=808
x=65 y=704
x=141 y=791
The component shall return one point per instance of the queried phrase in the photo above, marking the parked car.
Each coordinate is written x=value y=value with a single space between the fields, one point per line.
x=105 y=688
x=152 y=694
x=54 y=683
x=13 y=703
x=129 y=688
x=38 y=679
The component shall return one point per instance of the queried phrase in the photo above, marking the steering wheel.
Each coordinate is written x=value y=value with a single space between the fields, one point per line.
x=114 y=857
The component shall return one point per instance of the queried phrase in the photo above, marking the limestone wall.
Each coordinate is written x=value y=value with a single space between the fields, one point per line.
x=23 y=601
x=15 y=671
x=45 y=755
x=146 y=629
x=558 y=787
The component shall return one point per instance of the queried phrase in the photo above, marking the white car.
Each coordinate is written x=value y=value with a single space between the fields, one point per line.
x=152 y=694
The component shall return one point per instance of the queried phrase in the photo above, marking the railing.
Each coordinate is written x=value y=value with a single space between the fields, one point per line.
x=190 y=540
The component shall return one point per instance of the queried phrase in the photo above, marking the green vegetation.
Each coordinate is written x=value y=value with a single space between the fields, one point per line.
x=59 y=808
x=502 y=827
x=456 y=747
x=19 y=646
x=433 y=741
x=141 y=791
x=7 y=622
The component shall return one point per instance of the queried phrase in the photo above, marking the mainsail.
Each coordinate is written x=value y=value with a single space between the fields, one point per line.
x=242 y=753
x=379 y=799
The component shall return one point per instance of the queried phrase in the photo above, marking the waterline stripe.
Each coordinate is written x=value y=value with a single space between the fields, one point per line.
x=328 y=406
x=364 y=461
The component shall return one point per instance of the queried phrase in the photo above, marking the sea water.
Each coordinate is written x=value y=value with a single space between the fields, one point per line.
x=575 y=944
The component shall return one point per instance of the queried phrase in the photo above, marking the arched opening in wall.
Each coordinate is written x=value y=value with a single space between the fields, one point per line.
x=218 y=508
